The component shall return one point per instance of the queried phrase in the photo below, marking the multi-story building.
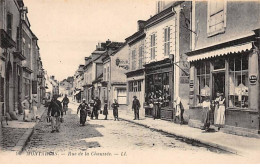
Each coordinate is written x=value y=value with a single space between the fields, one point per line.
x=78 y=83
x=135 y=73
x=225 y=60
x=115 y=64
x=167 y=39
x=10 y=62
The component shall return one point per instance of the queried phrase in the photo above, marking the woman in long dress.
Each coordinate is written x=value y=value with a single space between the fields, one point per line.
x=105 y=111
x=83 y=112
x=220 y=114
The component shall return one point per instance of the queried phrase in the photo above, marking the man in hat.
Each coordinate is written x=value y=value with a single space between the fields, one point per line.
x=65 y=101
x=136 y=106
x=55 y=108
x=83 y=112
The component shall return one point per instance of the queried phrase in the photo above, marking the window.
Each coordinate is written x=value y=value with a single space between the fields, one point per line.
x=141 y=56
x=202 y=83
x=23 y=47
x=238 y=82
x=133 y=60
x=105 y=70
x=152 y=47
x=216 y=17
x=135 y=86
x=167 y=41
x=108 y=74
x=9 y=24
x=121 y=96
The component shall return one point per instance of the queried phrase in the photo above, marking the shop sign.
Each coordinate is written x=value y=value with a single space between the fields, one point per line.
x=252 y=79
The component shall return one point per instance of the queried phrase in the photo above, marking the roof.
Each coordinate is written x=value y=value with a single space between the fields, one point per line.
x=155 y=19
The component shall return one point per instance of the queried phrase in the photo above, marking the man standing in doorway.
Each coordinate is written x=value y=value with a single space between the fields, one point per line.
x=55 y=108
x=136 y=107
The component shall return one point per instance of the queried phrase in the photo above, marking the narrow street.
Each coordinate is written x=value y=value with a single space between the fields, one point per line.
x=108 y=138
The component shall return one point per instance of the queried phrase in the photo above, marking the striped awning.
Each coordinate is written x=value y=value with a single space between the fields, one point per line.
x=221 y=52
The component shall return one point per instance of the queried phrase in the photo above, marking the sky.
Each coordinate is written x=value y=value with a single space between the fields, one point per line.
x=69 y=30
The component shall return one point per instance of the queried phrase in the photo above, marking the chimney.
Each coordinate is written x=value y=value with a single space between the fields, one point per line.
x=159 y=6
x=108 y=42
x=141 y=24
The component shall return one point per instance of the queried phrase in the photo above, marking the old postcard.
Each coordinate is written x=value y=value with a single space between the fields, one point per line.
x=129 y=82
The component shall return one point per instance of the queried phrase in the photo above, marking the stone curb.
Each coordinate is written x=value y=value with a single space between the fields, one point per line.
x=19 y=147
x=205 y=142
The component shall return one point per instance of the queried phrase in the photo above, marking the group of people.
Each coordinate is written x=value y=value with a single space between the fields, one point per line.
x=213 y=112
x=29 y=108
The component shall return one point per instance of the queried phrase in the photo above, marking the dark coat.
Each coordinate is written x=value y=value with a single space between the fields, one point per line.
x=136 y=104
x=55 y=108
x=105 y=112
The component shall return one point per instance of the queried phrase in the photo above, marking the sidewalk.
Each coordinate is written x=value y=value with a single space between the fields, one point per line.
x=16 y=134
x=240 y=145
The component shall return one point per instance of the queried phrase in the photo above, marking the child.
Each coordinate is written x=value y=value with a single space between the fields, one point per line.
x=105 y=112
x=115 y=106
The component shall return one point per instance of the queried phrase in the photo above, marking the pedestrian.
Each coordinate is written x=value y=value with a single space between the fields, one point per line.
x=83 y=112
x=97 y=107
x=155 y=107
x=136 y=106
x=55 y=109
x=65 y=101
x=91 y=104
x=105 y=112
x=179 y=110
x=206 y=106
x=115 y=106
x=34 y=107
x=219 y=115
x=26 y=108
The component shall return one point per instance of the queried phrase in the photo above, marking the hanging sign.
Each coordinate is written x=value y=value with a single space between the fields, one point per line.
x=252 y=79
x=191 y=84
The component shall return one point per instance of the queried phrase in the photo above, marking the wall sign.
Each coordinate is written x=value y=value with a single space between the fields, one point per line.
x=252 y=79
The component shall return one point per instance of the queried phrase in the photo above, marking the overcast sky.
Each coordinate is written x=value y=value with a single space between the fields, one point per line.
x=68 y=30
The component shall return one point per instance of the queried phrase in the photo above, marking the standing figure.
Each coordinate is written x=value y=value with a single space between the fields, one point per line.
x=136 y=106
x=220 y=114
x=83 y=112
x=97 y=107
x=92 y=103
x=55 y=108
x=179 y=110
x=105 y=112
x=65 y=101
x=34 y=107
x=155 y=107
x=115 y=106
x=26 y=108
x=206 y=114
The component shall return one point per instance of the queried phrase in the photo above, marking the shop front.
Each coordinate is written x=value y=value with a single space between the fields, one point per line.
x=230 y=71
x=159 y=89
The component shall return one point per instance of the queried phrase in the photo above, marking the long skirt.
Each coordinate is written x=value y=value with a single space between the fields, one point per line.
x=205 y=117
x=83 y=117
x=115 y=112
x=34 y=113
x=27 y=115
x=220 y=116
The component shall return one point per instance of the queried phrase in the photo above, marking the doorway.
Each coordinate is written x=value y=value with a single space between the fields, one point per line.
x=218 y=84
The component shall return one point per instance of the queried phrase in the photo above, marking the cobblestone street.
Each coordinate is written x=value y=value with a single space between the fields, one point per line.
x=108 y=138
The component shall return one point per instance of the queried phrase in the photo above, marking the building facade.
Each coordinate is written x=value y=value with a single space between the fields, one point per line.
x=225 y=59
x=167 y=39
x=114 y=69
x=135 y=74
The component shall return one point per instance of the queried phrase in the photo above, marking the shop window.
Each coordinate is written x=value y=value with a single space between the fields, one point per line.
x=139 y=88
x=152 y=46
x=167 y=41
x=238 y=82
x=141 y=56
x=216 y=17
x=202 y=82
x=2 y=89
x=158 y=84
x=133 y=59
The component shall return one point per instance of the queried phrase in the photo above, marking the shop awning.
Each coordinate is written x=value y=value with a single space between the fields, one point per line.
x=221 y=52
